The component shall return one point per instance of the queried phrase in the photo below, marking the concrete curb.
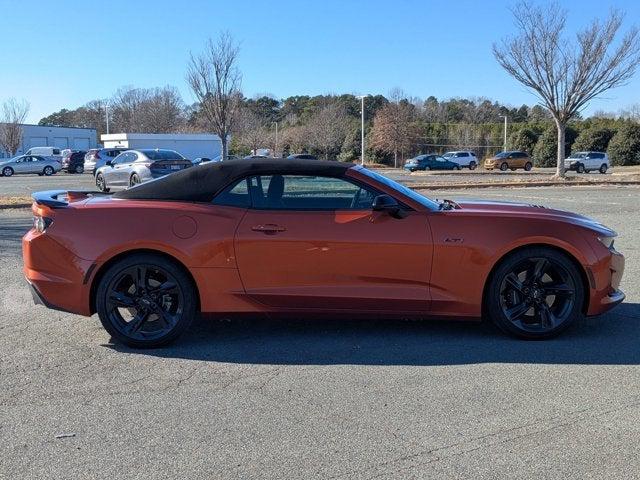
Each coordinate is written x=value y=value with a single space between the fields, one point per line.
x=15 y=205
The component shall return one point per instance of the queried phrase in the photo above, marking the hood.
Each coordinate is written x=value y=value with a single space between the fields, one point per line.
x=521 y=209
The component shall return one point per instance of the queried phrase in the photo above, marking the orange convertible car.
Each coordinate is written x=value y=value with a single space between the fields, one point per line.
x=311 y=238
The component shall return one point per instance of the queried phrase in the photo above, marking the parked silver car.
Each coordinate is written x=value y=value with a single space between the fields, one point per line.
x=97 y=157
x=29 y=164
x=138 y=166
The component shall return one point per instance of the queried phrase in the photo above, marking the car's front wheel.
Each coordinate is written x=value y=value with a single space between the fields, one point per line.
x=580 y=168
x=504 y=166
x=7 y=171
x=535 y=293
x=527 y=166
x=79 y=169
x=145 y=301
x=101 y=183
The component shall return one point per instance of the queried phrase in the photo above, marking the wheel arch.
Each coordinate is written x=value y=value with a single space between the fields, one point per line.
x=584 y=275
x=119 y=256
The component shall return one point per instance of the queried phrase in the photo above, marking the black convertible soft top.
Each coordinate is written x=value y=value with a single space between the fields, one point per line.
x=203 y=182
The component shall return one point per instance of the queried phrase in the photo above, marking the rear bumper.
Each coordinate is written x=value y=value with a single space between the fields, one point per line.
x=57 y=277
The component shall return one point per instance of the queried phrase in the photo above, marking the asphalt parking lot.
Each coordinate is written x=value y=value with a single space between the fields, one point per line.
x=325 y=399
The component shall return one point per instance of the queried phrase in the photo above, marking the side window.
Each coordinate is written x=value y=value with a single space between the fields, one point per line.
x=122 y=158
x=56 y=151
x=235 y=195
x=597 y=155
x=297 y=192
x=462 y=154
x=132 y=157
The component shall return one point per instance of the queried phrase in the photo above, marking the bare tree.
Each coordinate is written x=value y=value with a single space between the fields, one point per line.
x=566 y=75
x=12 y=116
x=393 y=130
x=327 y=129
x=215 y=80
x=250 y=130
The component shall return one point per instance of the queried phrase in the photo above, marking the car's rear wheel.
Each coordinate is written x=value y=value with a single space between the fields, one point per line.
x=472 y=165
x=580 y=168
x=535 y=293
x=504 y=166
x=101 y=183
x=7 y=171
x=527 y=166
x=603 y=168
x=134 y=180
x=48 y=170
x=79 y=169
x=145 y=301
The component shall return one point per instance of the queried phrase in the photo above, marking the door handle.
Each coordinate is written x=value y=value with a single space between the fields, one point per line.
x=268 y=228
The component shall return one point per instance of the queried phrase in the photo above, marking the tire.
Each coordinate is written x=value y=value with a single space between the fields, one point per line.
x=48 y=171
x=527 y=167
x=535 y=293
x=101 y=183
x=79 y=169
x=145 y=301
x=504 y=166
x=472 y=165
x=603 y=168
x=580 y=168
x=7 y=171
x=426 y=169
x=134 y=180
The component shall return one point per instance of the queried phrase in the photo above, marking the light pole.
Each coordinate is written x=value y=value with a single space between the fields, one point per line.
x=504 y=149
x=106 y=113
x=275 y=152
x=362 y=97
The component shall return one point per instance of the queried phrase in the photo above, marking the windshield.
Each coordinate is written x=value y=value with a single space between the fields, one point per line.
x=413 y=195
x=448 y=154
x=502 y=154
x=578 y=155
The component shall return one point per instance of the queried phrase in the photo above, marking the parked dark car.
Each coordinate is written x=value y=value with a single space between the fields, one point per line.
x=302 y=156
x=73 y=161
x=430 y=162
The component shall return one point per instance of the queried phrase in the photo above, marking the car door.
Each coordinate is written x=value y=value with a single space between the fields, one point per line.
x=22 y=164
x=118 y=169
x=316 y=243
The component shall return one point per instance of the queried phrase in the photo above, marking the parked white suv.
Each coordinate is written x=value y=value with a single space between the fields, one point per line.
x=583 y=162
x=463 y=158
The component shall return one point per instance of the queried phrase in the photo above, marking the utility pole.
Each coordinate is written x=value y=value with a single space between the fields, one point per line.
x=504 y=149
x=362 y=146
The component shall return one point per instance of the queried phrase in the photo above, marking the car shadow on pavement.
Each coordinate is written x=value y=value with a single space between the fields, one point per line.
x=611 y=339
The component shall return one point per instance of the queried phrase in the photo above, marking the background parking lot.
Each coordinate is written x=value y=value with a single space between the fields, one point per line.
x=262 y=398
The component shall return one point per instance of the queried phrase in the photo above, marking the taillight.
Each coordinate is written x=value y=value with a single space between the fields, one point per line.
x=41 y=223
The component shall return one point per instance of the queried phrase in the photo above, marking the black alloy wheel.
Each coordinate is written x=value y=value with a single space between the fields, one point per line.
x=527 y=166
x=504 y=166
x=535 y=293
x=145 y=301
x=7 y=171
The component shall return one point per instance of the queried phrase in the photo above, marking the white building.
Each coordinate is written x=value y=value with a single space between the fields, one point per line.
x=190 y=146
x=60 y=137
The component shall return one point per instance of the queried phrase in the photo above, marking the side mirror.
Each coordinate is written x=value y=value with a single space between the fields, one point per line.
x=109 y=163
x=386 y=203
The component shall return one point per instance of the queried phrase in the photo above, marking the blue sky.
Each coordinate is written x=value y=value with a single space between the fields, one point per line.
x=64 y=53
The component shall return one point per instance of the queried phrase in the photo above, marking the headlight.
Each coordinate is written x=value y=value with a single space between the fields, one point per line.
x=41 y=223
x=607 y=242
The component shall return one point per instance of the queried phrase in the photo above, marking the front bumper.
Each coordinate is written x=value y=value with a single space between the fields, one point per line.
x=605 y=277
